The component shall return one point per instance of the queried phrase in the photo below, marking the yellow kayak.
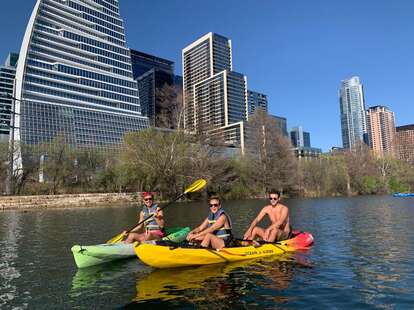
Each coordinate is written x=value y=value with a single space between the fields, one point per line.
x=160 y=256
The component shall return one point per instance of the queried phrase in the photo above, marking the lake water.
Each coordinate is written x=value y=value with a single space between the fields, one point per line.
x=363 y=258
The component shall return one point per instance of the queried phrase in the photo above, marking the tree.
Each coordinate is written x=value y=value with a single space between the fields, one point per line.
x=271 y=155
x=169 y=107
x=160 y=160
x=58 y=164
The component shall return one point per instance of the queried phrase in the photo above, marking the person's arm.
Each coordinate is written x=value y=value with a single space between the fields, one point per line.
x=141 y=218
x=217 y=225
x=159 y=218
x=196 y=230
x=258 y=218
x=282 y=219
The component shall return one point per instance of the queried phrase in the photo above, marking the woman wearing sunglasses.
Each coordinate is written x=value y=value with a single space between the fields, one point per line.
x=215 y=231
x=279 y=228
x=154 y=227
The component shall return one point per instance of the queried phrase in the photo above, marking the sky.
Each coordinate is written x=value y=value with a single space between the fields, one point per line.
x=297 y=51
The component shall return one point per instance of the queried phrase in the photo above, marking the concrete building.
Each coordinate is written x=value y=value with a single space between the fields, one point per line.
x=381 y=131
x=215 y=96
x=405 y=142
x=7 y=75
x=307 y=152
x=74 y=76
x=256 y=101
x=352 y=110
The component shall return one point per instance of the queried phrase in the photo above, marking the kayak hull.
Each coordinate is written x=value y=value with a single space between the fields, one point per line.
x=91 y=255
x=159 y=256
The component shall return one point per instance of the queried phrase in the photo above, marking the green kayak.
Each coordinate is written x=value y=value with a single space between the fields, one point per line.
x=91 y=255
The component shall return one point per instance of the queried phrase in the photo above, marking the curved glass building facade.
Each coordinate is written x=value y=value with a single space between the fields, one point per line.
x=74 y=76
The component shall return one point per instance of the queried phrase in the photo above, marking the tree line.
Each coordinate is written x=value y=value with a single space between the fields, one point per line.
x=166 y=161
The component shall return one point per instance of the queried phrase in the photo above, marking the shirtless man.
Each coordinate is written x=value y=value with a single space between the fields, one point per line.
x=279 y=216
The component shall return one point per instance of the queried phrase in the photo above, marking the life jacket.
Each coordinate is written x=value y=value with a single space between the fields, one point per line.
x=221 y=232
x=151 y=224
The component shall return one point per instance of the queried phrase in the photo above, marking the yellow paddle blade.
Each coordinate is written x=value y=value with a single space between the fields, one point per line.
x=117 y=238
x=197 y=185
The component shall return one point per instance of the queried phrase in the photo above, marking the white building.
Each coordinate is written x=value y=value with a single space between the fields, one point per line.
x=215 y=97
x=352 y=108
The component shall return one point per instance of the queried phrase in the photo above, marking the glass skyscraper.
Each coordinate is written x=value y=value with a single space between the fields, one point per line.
x=7 y=75
x=352 y=108
x=256 y=101
x=151 y=73
x=74 y=76
x=299 y=137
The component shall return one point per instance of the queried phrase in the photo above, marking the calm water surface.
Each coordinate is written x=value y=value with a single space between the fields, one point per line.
x=363 y=258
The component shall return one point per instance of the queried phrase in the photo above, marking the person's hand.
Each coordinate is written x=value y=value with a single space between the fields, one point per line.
x=267 y=233
x=246 y=235
x=190 y=236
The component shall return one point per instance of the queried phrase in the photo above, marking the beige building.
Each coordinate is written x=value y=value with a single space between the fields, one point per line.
x=215 y=96
x=405 y=142
x=381 y=131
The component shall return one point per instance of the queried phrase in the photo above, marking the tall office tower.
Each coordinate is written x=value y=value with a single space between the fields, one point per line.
x=381 y=131
x=207 y=71
x=7 y=75
x=151 y=74
x=215 y=97
x=74 y=76
x=256 y=100
x=352 y=107
x=281 y=124
x=299 y=137
x=405 y=142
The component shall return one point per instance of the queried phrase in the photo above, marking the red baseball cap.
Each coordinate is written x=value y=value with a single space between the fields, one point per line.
x=146 y=194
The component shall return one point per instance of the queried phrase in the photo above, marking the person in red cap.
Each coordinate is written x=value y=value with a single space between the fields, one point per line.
x=153 y=228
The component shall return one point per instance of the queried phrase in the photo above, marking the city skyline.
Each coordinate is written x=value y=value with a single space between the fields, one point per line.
x=292 y=52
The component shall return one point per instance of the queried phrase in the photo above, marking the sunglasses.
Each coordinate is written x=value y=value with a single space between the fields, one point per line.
x=213 y=205
x=147 y=199
x=273 y=198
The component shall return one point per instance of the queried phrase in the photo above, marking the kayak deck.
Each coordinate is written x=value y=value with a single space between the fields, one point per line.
x=91 y=255
x=159 y=256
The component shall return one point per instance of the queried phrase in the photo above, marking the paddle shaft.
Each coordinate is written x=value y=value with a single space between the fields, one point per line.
x=151 y=215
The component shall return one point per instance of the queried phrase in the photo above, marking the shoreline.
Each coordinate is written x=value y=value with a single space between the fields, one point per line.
x=67 y=201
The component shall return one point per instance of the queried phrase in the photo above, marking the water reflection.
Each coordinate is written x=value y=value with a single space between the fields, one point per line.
x=10 y=230
x=218 y=286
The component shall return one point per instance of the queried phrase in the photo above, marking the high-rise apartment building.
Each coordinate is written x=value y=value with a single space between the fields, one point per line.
x=151 y=73
x=299 y=137
x=381 y=131
x=256 y=101
x=215 y=96
x=7 y=75
x=405 y=142
x=74 y=76
x=352 y=108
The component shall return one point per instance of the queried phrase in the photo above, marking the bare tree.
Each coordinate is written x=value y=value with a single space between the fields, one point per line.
x=271 y=154
x=169 y=107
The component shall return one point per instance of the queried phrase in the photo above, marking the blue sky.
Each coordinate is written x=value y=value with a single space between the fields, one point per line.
x=295 y=51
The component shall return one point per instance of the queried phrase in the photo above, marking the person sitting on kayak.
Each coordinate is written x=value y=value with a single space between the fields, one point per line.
x=215 y=231
x=280 y=224
x=154 y=227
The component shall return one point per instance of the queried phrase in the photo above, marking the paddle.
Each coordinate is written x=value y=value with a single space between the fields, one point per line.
x=197 y=185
